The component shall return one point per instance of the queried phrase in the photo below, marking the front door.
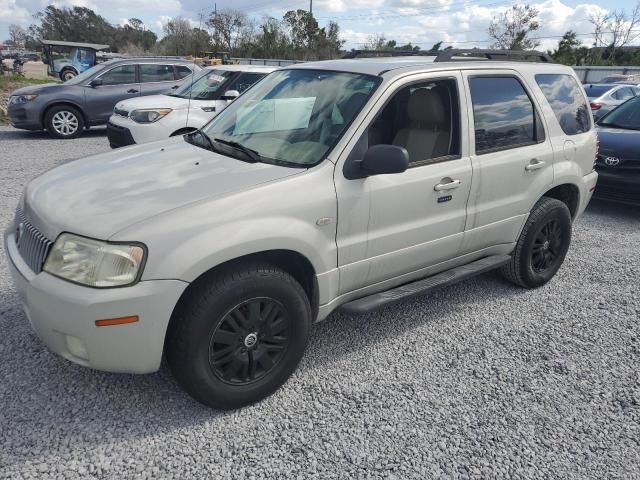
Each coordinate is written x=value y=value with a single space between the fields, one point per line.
x=393 y=225
x=512 y=157
x=118 y=83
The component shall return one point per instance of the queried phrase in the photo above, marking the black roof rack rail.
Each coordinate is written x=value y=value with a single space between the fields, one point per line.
x=452 y=55
x=388 y=53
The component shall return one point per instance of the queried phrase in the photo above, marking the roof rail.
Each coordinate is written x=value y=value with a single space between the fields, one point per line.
x=388 y=53
x=506 y=55
x=452 y=54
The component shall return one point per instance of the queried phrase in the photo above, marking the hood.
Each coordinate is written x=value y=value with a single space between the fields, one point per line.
x=100 y=195
x=152 y=101
x=620 y=142
x=159 y=101
x=38 y=89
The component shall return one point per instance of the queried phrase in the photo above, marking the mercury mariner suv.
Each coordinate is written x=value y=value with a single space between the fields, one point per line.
x=345 y=184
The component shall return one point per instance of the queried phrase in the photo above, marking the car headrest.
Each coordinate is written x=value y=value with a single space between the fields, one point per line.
x=427 y=107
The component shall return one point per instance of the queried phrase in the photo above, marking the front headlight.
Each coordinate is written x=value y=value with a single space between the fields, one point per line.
x=15 y=99
x=94 y=263
x=149 y=115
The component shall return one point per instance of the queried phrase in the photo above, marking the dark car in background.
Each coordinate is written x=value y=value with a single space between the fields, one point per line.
x=64 y=110
x=618 y=162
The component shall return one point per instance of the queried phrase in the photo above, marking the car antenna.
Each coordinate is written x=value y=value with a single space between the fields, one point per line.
x=195 y=58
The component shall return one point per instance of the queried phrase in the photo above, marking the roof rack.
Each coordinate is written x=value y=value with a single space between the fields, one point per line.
x=452 y=55
x=505 y=55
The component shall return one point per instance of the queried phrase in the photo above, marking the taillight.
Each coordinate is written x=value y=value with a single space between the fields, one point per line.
x=595 y=105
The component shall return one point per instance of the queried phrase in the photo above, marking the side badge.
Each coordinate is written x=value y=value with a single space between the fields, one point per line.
x=445 y=198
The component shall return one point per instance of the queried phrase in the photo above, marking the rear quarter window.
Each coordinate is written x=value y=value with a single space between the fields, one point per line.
x=567 y=102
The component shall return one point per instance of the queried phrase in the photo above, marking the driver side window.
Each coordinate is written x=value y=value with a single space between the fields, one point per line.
x=423 y=118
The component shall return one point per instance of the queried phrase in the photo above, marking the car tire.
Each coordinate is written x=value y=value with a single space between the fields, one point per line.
x=67 y=74
x=237 y=336
x=542 y=246
x=64 y=121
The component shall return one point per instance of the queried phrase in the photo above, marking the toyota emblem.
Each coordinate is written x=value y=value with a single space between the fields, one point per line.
x=612 y=161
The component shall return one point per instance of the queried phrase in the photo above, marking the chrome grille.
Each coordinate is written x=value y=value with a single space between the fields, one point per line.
x=32 y=245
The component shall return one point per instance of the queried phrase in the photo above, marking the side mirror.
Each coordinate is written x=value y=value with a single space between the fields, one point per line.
x=384 y=159
x=96 y=82
x=230 y=95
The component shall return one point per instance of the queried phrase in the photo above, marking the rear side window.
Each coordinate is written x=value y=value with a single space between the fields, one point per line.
x=245 y=80
x=624 y=93
x=595 y=91
x=182 y=71
x=156 y=73
x=567 y=102
x=503 y=114
x=121 y=75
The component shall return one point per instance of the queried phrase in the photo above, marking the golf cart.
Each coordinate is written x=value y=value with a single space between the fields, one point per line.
x=68 y=59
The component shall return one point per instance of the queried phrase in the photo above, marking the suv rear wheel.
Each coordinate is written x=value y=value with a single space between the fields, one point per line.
x=238 y=337
x=63 y=121
x=542 y=246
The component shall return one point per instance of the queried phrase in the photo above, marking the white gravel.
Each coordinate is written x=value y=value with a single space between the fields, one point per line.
x=479 y=380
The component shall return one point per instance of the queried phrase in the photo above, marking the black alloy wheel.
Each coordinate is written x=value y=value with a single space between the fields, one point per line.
x=249 y=341
x=546 y=247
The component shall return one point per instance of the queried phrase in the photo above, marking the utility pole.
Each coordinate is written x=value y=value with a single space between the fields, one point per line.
x=311 y=7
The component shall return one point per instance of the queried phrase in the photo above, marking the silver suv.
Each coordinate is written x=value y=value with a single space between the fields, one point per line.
x=346 y=184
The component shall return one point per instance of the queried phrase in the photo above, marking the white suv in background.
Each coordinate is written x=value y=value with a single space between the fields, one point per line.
x=187 y=108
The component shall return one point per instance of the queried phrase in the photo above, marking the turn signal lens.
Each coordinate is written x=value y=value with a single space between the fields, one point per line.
x=117 y=321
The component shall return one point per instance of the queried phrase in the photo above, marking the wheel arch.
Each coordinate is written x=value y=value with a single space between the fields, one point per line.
x=567 y=193
x=294 y=263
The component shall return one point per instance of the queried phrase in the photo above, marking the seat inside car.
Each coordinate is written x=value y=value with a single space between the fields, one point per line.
x=426 y=133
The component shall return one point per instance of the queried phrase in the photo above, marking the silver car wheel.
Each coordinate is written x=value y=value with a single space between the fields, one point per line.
x=65 y=123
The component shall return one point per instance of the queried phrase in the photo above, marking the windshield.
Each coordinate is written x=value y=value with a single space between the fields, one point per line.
x=204 y=87
x=293 y=117
x=626 y=116
x=594 y=91
x=84 y=76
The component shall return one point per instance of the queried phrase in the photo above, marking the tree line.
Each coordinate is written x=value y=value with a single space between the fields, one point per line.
x=297 y=35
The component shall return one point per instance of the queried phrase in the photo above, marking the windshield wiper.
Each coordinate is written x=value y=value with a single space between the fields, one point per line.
x=209 y=144
x=252 y=154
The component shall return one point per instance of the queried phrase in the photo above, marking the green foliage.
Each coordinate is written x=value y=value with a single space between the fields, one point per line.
x=81 y=24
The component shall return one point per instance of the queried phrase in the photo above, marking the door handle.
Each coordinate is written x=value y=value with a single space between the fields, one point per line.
x=132 y=90
x=447 y=184
x=534 y=164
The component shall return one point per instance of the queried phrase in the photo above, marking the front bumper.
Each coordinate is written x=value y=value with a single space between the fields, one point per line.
x=26 y=116
x=63 y=315
x=621 y=186
x=119 y=136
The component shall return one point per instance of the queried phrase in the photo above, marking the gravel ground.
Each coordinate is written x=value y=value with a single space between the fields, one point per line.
x=479 y=380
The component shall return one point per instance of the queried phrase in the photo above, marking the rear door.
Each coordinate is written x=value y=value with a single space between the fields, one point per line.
x=512 y=156
x=157 y=78
x=118 y=83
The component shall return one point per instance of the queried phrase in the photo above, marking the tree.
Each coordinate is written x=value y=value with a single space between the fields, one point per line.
x=181 y=39
x=228 y=26
x=568 y=48
x=17 y=35
x=511 y=29
x=613 y=31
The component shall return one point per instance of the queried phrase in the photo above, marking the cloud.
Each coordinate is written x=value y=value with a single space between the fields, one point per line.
x=466 y=27
x=9 y=11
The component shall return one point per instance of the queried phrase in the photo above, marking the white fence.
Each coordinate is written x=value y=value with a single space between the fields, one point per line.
x=596 y=74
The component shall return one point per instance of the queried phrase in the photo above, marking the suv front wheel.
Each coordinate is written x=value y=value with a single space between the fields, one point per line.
x=63 y=121
x=542 y=245
x=238 y=336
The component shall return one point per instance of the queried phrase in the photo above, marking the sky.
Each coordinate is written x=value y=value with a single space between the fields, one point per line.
x=459 y=23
